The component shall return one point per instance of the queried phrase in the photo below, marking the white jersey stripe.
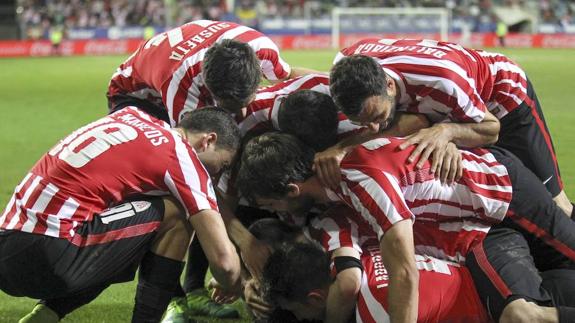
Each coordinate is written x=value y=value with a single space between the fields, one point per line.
x=233 y=33
x=174 y=190
x=66 y=212
x=419 y=61
x=374 y=306
x=39 y=206
x=376 y=192
x=512 y=96
x=472 y=165
x=451 y=89
x=13 y=198
x=190 y=173
x=22 y=202
x=175 y=36
x=436 y=252
x=177 y=77
x=513 y=84
x=202 y=23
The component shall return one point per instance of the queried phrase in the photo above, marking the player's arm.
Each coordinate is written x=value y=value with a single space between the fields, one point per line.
x=254 y=252
x=434 y=142
x=343 y=292
x=326 y=163
x=221 y=253
x=398 y=256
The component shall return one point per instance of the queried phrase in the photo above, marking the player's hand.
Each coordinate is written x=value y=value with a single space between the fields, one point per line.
x=253 y=297
x=222 y=296
x=431 y=142
x=255 y=255
x=326 y=166
x=451 y=165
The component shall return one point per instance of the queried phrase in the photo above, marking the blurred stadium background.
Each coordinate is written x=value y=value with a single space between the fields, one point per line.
x=43 y=99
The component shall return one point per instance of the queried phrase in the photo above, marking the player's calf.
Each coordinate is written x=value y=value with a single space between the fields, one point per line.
x=162 y=266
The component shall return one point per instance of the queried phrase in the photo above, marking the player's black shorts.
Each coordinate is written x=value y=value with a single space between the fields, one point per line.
x=503 y=270
x=524 y=133
x=535 y=236
x=120 y=101
x=106 y=250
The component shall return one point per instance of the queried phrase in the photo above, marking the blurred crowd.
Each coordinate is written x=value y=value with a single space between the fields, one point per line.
x=38 y=16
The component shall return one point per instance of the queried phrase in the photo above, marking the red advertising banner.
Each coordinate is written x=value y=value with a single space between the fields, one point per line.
x=299 y=42
x=68 y=48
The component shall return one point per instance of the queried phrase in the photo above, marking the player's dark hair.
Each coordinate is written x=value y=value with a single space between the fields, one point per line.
x=294 y=270
x=311 y=117
x=275 y=232
x=353 y=80
x=232 y=73
x=272 y=161
x=211 y=119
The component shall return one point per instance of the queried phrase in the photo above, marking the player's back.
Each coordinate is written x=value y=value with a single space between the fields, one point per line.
x=446 y=291
x=167 y=69
x=484 y=190
x=97 y=166
x=167 y=56
x=496 y=78
x=425 y=56
x=262 y=113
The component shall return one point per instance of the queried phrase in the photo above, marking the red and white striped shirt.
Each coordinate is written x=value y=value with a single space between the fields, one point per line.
x=262 y=114
x=446 y=290
x=441 y=79
x=100 y=165
x=167 y=68
x=384 y=189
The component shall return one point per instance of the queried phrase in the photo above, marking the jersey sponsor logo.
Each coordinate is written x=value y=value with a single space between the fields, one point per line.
x=117 y=213
x=141 y=206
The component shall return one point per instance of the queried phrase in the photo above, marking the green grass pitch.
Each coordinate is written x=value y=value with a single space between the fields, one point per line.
x=43 y=99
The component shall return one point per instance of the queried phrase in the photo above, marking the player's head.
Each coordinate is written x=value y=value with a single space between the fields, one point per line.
x=362 y=90
x=272 y=168
x=215 y=136
x=310 y=116
x=276 y=232
x=232 y=73
x=297 y=278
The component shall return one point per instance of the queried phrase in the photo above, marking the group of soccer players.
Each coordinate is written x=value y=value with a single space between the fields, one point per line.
x=414 y=181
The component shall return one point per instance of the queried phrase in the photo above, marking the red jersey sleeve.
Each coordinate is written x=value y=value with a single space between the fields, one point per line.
x=273 y=66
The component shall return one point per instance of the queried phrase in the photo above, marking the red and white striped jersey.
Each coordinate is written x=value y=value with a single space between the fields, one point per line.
x=441 y=79
x=262 y=114
x=167 y=68
x=446 y=290
x=100 y=165
x=384 y=189
x=342 y=226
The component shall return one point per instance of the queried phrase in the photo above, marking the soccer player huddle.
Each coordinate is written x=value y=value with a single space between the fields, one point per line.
x=414 y=181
